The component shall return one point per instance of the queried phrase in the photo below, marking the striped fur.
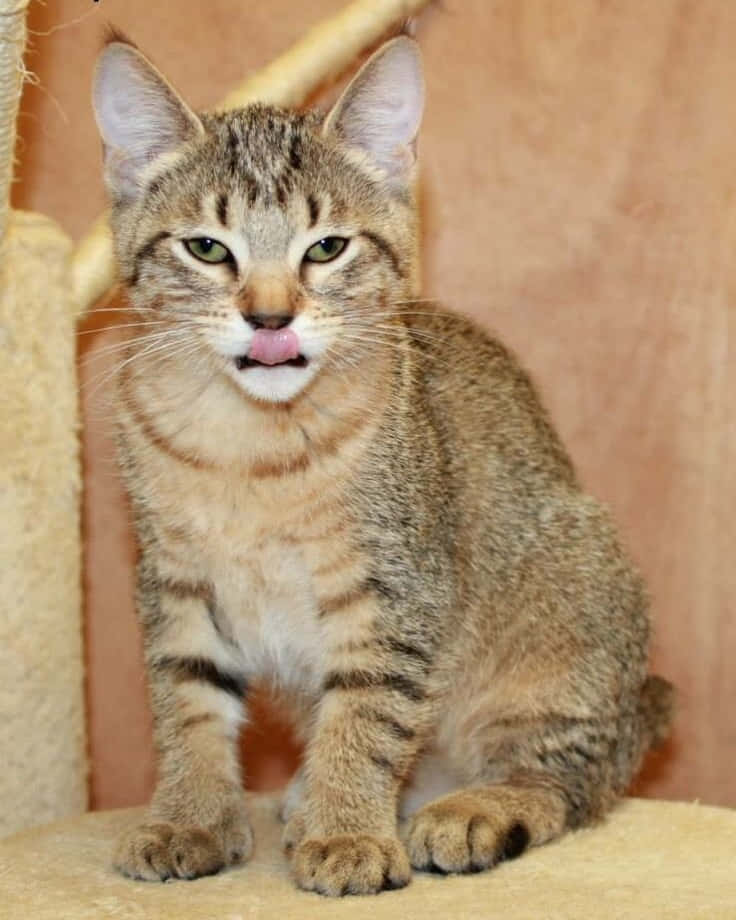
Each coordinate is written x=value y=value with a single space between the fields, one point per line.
x=389 y=533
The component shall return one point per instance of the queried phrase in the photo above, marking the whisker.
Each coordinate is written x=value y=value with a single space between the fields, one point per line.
x=147 y=339
x=127 y=309
x=184 y=399
x=102 y=329
x=371 y=341
x=174 y=349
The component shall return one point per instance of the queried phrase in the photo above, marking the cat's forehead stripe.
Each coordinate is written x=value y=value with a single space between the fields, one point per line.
x=222 y=202
x=313 y=206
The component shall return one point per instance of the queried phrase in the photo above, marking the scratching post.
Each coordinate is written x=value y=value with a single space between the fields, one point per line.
x=12 y=43
x=42 y=734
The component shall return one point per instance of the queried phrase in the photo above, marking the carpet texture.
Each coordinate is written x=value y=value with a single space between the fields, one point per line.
x=657 y=860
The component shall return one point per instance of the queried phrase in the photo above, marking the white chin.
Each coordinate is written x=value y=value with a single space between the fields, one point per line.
x=275 y=384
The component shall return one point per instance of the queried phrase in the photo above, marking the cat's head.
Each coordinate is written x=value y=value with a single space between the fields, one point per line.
x=272 y=245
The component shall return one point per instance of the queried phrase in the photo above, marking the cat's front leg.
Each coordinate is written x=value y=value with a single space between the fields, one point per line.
x=197 y=821
x=370 y=726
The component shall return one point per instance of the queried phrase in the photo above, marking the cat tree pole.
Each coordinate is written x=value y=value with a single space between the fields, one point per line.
x=42 y=729
x=12 y=43
x=45 y=286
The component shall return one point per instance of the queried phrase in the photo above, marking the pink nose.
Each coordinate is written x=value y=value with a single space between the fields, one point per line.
x=274 y=346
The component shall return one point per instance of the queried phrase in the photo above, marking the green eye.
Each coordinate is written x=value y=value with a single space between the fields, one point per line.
x=208 y=250
x=326 y=250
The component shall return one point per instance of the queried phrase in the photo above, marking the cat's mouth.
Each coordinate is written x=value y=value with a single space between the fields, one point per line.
x=244 y=361
x=273 y=348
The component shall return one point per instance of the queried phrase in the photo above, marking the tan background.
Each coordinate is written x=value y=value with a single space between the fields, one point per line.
x=579 y=180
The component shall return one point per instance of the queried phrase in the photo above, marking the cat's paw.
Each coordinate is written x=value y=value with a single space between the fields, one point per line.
x=459 y=834
x=159 y=851
x=350 y=864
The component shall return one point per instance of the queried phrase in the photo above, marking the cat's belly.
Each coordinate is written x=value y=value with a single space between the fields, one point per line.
x=269 y=601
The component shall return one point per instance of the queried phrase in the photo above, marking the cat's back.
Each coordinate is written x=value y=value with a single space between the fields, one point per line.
x=483 y=402
x=524 y=527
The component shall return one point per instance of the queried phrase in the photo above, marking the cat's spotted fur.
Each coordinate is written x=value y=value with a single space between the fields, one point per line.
x=386 y=528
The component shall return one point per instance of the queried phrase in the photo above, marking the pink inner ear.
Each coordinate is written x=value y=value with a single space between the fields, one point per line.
x=140 y=116
x=381 y=109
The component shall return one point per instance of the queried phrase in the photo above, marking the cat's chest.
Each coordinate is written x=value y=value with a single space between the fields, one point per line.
x=270 y=601
x=275 y=534
x=260 y=545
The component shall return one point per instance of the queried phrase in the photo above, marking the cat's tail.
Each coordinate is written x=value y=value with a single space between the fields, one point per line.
x=656 y=711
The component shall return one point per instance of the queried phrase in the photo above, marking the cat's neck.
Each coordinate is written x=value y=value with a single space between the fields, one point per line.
x=200 y=413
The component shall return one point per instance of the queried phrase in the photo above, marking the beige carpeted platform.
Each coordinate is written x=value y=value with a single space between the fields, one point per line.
x=655 y=860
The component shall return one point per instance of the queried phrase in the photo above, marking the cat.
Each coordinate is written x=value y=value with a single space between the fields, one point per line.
x=354 y=496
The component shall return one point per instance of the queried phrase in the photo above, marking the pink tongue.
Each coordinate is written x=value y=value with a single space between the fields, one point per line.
x=274 y=346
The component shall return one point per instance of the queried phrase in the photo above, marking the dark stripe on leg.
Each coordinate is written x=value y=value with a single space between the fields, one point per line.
x=200 y=719
x=202 y=669
x=202 y=590
x=366 y=680
x=407 y=650
x=385 y=765
x=395 y=728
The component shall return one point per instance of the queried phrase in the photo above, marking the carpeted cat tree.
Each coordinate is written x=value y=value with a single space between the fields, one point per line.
x=649 y=859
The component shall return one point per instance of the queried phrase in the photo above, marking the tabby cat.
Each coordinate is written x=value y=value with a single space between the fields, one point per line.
x=354 y=497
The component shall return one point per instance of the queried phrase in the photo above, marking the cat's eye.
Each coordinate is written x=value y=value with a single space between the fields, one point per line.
x=326 y=250
x=208 y=250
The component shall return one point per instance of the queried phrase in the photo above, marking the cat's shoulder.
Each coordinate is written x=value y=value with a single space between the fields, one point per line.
x=453 y=336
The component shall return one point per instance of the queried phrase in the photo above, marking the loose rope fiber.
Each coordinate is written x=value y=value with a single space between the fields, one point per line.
x=12 y=44
x=324 y=53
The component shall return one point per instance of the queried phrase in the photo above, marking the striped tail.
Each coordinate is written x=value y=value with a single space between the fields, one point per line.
x=656 y=711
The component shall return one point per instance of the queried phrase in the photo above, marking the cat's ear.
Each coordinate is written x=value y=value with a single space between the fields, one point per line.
x=139 y=114
x=380 y=111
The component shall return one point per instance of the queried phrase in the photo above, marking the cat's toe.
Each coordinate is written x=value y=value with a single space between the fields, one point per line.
x=160 y=851
x=451 y=835
x=350 y=864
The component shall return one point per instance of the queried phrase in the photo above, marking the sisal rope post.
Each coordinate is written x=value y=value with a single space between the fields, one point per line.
x=42 y=730
x=324 y=53
x=12 y=45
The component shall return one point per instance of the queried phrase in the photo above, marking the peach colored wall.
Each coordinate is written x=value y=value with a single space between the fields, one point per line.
x=579 y=190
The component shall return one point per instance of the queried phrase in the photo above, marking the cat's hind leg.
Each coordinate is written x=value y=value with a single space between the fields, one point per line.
x=536 y=786
x=479 y=826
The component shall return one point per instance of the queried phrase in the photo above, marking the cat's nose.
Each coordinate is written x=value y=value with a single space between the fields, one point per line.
x=268 y=320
